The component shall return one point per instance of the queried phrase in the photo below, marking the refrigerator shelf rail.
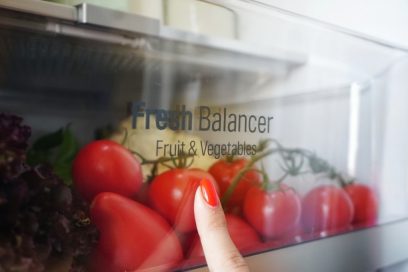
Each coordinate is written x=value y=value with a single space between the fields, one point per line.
x=55 y=49
x=365 y=250
x=93 y=22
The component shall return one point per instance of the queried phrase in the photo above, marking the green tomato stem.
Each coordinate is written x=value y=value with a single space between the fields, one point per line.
x=235 y=181
x=230 y=158
x=274 y=186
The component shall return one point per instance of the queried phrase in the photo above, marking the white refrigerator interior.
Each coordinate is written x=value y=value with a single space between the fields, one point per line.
x=329 y=94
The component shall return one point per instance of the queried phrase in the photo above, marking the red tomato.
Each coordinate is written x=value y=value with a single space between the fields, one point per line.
x=132 y=236
x=326 y=208
x=172 y=194
x=294 y=236
x=271 y=244
x=272 y=213
x=106 y=166
x=142 y=196
x=365 y=203
x=224 y=171
x=186 y=240
x=243 y=235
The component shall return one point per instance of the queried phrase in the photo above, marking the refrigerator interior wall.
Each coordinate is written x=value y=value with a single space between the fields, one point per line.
x=395 y=157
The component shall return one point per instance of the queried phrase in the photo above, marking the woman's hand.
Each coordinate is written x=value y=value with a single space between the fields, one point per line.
x=220 y=252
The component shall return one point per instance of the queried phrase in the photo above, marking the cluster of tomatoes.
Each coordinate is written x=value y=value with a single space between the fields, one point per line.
x=152 y=224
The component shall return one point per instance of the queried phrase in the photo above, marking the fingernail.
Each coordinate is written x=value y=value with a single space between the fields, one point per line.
x=209 y=193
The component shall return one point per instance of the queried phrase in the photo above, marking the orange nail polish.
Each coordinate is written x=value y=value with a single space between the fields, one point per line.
x=209 y=192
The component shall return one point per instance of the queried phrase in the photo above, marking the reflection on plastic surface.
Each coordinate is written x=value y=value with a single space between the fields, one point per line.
x=296 y=152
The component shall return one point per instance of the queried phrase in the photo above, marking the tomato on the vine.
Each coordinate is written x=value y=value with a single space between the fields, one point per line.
x=243 y=235
x=224 y=171
x=272 y=212
x=106 y=166
x=172 y=192
x=365 y=203
x=326 y=208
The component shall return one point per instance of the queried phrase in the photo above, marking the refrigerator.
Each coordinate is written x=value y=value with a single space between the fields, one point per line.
x=113 y=112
